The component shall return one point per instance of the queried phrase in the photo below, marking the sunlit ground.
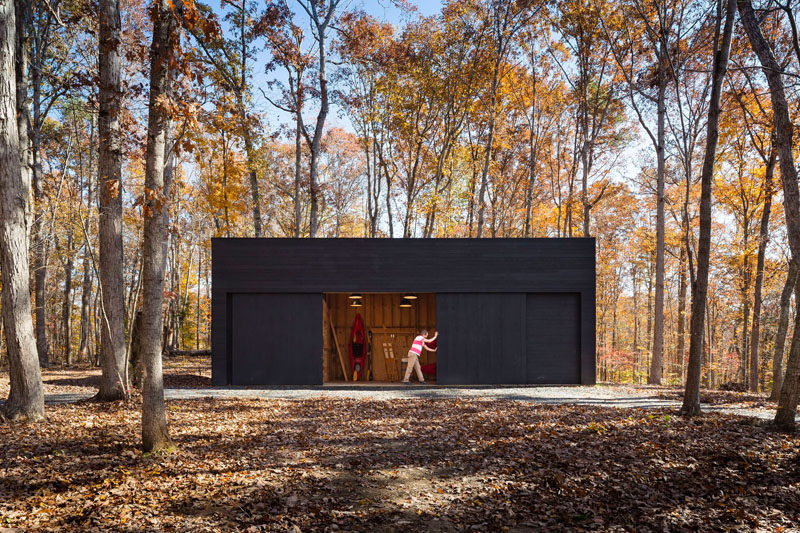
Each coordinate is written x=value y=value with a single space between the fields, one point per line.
x=374 y=465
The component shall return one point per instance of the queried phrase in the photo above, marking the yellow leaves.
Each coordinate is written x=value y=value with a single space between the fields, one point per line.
x=597 y=427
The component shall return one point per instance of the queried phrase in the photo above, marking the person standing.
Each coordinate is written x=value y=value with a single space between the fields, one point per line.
x=420 y=341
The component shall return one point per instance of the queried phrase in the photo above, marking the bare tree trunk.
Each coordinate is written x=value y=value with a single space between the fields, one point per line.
x=745 y=350
x=37 y=236
x=787 y=406
x=321 y=21
x=251 y=167
x=780 y=333
x=23 y=15
x=197 y=296
x=635 y=345
x=657 y=361
x=66 y=305
x=389 y=200
x=26 y=395
x=763 y=239
x=682 y=286
x=155 y=434
x=298 y=174
x=86 y=286
x=135 y=360
x=691 y=396
x=487 y=156
x=648 y=333
x=113 y=382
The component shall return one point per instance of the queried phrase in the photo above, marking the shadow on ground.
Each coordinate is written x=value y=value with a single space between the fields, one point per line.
x=368 y=465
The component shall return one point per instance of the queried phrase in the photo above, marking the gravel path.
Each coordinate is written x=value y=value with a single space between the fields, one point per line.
x=601 y=396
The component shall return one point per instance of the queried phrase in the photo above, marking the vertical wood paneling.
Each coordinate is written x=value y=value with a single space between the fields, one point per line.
x=272 y=341
x=482 y=338
x=553 y=338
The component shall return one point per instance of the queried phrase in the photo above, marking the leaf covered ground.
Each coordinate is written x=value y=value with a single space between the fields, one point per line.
x=368 y=465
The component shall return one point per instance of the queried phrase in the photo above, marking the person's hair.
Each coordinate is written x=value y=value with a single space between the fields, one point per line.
x=424 y=332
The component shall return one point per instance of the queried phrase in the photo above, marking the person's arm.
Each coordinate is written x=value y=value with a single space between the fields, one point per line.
x=426 y=341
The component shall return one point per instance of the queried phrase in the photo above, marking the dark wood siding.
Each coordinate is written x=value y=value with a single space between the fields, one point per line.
x=272 y=338
x=482 y=338
x=481 y=287
x=398 y=265
x=553 y=338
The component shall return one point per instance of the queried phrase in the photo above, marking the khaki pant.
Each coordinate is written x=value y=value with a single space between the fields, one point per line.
x=413 y=365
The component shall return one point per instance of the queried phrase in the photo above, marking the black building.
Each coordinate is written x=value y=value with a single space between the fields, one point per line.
x=509 y=311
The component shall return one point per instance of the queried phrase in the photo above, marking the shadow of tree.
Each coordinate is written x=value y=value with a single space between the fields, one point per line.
x=437 y=465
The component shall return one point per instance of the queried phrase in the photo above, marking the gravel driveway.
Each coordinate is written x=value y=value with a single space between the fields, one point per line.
x=601 y=396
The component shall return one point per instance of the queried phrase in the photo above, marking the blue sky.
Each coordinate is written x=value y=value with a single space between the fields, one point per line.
x=385 y=10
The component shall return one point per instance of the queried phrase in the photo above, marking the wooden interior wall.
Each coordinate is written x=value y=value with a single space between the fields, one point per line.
x=389 y=323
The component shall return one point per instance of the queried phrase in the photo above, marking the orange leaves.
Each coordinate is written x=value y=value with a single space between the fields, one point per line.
x=153 y=202
x=111 y=188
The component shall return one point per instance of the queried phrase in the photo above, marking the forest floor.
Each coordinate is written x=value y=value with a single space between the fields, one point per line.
x=375 y=464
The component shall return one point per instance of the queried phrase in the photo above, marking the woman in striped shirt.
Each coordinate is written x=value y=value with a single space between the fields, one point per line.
x=420 y=341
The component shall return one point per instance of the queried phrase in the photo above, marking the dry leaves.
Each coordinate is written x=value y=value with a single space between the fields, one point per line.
x=324 y=464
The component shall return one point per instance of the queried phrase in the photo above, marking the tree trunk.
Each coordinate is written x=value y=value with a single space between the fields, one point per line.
x=763 y=239
x=113 y=382
x=298 y=173
x=86 y=285
x=38 y=244
x=780 y=333
x=745 y=350
x=682 y=286
x=657 y=361
x=22 y=21
x=314 y=143
x=197 y=297
x=487 y=156
x=135 y=361
x=691 y=396
x=26 y=395
x=66 y=305
x=251 y=165
x=787 y=406
x=635 y=287
x=155 y=434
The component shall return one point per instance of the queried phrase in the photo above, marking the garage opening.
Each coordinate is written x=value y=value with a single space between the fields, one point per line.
x=365 y=336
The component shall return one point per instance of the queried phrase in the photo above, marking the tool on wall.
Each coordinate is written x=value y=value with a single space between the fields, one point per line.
x=369 y=356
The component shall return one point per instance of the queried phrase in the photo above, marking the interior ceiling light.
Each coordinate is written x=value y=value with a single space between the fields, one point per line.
x=405 y=303
x=409 y=296
x=355 y=295
x=356 y=303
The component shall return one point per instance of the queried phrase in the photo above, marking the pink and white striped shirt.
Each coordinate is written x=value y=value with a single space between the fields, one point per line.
x=416 y=347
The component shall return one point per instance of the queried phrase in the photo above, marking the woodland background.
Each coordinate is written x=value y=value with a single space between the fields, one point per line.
x=482 y=119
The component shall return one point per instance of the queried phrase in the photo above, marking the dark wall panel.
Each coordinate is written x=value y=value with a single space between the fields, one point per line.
x=482 y=338
x=553 y=338
x=275 y=339
x=398 y=265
